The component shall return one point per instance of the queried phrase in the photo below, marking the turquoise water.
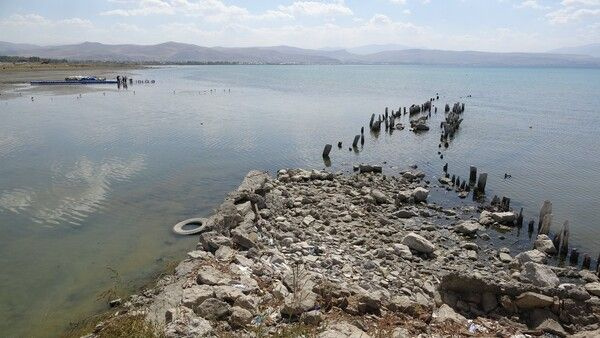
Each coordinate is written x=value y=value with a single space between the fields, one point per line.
x=92 y=183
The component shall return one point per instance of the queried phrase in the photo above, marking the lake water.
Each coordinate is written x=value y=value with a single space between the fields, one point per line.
x=92 y=185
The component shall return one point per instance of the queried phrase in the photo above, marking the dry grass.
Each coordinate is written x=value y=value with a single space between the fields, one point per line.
x=108 y=325
x=133 y=326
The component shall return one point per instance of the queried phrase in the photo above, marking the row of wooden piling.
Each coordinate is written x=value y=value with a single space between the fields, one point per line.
x=451 y=123
x=388 y=120
x=477 y=185
x=561 y=239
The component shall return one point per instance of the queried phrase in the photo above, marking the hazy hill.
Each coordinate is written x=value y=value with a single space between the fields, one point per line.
x=181 y=52
x=372 y=49
x=444 y=57
x=592 y=50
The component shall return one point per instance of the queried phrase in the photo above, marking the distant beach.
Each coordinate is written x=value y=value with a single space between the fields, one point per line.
x=14 y=75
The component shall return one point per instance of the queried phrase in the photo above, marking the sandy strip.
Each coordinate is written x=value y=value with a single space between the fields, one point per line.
x=15 y=77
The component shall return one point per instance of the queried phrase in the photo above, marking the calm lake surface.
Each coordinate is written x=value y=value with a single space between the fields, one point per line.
x=94 y=184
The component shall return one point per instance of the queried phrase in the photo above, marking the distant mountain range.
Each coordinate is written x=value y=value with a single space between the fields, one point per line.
x=591 y=50
x=173 y=52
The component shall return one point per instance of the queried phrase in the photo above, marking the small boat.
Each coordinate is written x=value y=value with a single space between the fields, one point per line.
x=73 y=80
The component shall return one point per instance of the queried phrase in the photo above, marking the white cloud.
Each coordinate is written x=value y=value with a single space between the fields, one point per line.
x=533 y=4
x=565 y=15
x=581 y=2
x=34 y=28
x=218 y=11
x=29 y=20
x=316 y=8
x=574 y=10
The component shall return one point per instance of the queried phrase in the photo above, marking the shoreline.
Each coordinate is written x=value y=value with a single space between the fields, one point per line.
x=15 y=77
x=331 y=255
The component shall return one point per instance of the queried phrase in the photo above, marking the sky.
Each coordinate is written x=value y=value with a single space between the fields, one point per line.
x=486 y=25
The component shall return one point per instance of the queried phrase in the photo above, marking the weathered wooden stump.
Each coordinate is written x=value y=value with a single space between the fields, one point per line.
x=546 y=224
x=505 y=205
x=531 y=225
x=340 y=144
x=495 y=200
x=587 y=262
x=372 y=120
x=563 y=247
x=445 y=168
x=546 y=209
x=520 y=218
x=574 y=258
x=327 y=150
x=355 y=142
x=472 y=175
x=481 y=183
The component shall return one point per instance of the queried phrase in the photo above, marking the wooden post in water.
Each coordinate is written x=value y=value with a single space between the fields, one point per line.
x=445 y=168
x=545 y=210
x=481 y=183
x=531 y=225
x=563 y=248
x=587 y=262
x=327 y=150
x=340 y=144
x=546 y=224
x=574 y=256
x=505 y=204
x=520 y=218
x=472 y=175
x=372 y=119
x=355 y=142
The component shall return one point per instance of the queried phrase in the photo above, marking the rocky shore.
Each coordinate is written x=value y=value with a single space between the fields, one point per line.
x=311 y=253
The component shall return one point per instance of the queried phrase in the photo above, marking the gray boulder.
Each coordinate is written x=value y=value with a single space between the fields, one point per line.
x=420 y=194
x=469 y=227
x=213 y=309
x=507 y=217
x=534 y=255
x=418 y=243
x=539 y=274
x=543 y=243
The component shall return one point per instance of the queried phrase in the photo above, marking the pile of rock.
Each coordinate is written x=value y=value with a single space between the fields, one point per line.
x=360 y=255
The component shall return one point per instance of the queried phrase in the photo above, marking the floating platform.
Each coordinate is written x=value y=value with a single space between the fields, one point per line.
x=82 y=82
